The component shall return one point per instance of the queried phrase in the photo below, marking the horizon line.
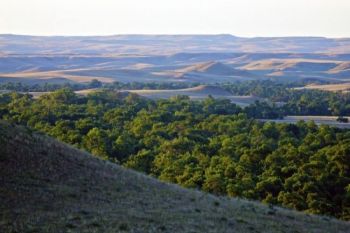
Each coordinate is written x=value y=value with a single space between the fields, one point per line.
x=169 y=34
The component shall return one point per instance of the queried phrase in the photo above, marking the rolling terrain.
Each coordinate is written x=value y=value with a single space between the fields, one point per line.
x=198 y=93
x=172 y=58
x=168 y=44
x=48 y=186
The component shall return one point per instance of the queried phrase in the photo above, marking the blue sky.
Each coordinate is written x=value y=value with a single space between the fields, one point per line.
x=329 y=18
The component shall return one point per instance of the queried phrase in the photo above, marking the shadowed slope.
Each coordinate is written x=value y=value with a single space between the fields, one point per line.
x=215 y=68
x=48 y=186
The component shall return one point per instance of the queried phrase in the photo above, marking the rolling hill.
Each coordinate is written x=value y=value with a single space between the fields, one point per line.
x=331 y=70
x=206 y=72
x=292 y=65
x=212 y=68
x=172 y=58
x=48 y=186
x=168 y=44
x=216 y=68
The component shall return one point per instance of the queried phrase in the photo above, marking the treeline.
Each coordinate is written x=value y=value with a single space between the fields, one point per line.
x=45 y=87
x=24 y=87
x=150 y=85
x=212 y=145
x=295 y=102
x=288 y=101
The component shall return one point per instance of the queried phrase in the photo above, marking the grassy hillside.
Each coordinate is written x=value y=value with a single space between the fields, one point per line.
x=48 y=186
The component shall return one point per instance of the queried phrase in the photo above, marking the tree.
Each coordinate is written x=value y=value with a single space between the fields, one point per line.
x=95 y=83
x=142 y=161
x=96 y=142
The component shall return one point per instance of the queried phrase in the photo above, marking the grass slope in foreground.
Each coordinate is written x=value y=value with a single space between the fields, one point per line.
x=48 y=186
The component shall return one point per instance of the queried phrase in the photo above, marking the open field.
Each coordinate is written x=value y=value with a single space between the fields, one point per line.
x=48 y=186
x=198 y=93
x=319 y=120
x=342 y=87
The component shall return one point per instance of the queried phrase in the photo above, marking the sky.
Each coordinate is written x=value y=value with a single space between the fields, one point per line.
x=248 y=18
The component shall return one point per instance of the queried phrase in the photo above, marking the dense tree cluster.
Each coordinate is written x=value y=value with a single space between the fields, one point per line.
x=43 y=87
x=37 y=87
x=149 y=85
x=212 y=145
x=296 y=102
x=288 y=101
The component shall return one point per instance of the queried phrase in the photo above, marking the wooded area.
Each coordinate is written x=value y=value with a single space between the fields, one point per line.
x=212 y=145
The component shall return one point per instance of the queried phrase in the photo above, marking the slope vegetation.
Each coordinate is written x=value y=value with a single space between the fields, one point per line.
x=48 y=186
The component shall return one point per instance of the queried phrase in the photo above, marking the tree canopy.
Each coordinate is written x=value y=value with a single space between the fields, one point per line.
x=212 y=145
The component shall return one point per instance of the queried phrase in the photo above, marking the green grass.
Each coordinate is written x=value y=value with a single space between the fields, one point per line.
x=48 y=186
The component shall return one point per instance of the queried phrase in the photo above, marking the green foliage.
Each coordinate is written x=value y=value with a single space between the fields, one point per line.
x=293 y=102
x=212 y=145
x=18 y=86
x=96 y=142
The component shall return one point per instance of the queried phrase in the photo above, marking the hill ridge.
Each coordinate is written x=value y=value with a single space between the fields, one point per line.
x=212 y=67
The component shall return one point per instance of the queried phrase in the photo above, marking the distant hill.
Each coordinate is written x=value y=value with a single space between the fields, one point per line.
x=209 y=90
x=172 y=58
x=215 y=68
x=205 y=72
x=168 y=44
x=201 y=90
x=48 y=186
x=301 y=68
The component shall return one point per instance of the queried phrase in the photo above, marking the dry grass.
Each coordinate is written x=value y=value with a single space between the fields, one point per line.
x=48 y=186
x=282 y=64
x=212 y=68
x=47 y=75
x=344 y=66
x=343 y=87
x=198 y=93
